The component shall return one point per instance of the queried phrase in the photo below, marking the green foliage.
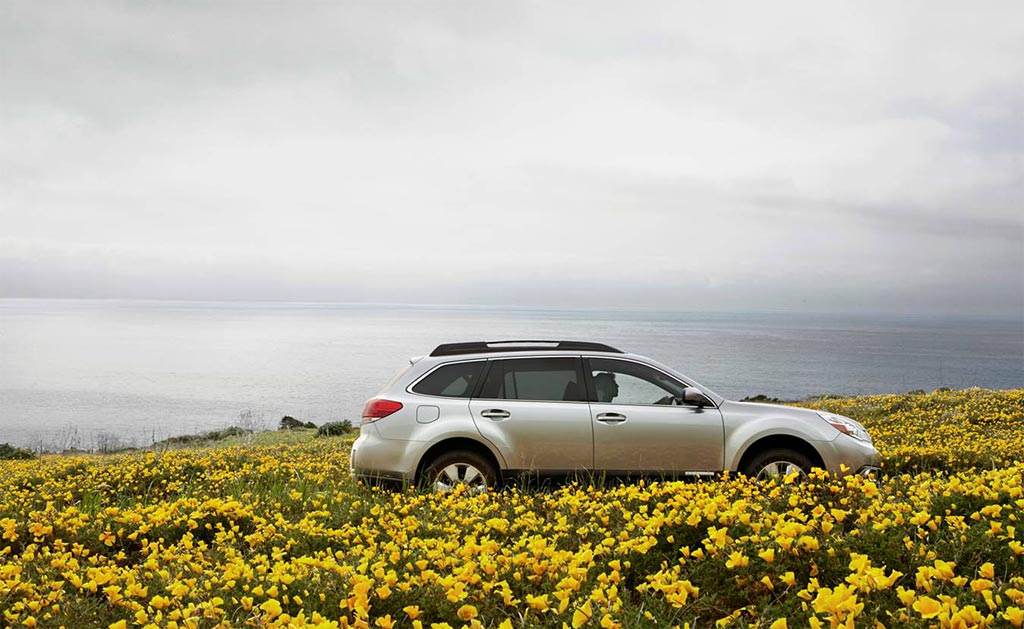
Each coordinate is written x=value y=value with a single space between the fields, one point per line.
x=12 y=453
x=290 y=423
x=762 y=398
x=336 y=429
x=204 y=438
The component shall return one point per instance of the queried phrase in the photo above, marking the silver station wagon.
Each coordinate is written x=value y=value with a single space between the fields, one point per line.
x=477 y=413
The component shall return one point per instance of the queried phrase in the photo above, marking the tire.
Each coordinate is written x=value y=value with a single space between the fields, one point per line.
x=777 y=462
x=459 y=467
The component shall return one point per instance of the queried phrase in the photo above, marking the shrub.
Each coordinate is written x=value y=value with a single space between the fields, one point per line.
x=332 y=429
x=760 y=397
x=9 y=452
x=213 y=435
x=290 y=423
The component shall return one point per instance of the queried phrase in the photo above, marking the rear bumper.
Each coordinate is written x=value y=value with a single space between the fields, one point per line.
x=374 y=458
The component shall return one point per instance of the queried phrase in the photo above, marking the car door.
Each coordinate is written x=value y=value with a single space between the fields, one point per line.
x=640 y=425
x=534 y=410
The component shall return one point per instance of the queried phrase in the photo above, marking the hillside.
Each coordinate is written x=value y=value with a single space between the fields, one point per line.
x=244 y=534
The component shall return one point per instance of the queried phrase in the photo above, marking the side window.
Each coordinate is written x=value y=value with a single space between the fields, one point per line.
x=539 y=379
x=625 y=382
x=454 y=380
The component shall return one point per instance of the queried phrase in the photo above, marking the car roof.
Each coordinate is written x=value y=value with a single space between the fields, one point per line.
x=505 y=347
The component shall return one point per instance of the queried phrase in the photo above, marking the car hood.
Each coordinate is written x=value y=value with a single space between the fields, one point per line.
x=757 y=409
x=775 y=409
x=752 y=410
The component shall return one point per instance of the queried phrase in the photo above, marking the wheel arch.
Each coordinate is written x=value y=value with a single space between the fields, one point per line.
x=789 y=442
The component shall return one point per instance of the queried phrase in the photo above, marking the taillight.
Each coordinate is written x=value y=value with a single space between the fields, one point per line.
x=376 y=409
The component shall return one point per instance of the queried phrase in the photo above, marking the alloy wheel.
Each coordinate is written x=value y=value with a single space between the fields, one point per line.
x=777 y=469
x=451 y=476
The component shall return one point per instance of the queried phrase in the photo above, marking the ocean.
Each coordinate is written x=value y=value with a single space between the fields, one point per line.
x=75 y=373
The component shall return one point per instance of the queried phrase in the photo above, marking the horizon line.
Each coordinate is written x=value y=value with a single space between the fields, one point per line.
x=530 y=307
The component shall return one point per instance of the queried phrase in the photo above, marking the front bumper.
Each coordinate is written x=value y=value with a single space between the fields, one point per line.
x=846 y=453
x=872 y=472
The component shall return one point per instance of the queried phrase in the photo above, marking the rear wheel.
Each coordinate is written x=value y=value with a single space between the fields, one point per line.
x=777 y=463
x=459 y=468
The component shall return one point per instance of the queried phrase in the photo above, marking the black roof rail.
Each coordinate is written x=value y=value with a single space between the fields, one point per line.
x=484 y=347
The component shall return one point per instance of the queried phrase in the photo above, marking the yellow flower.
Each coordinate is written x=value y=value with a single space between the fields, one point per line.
x=1014 y=615
x=927 y=606
x=120 y=624
x=907 y=597
x=271 y=608
x=981 y=585
x=466 y=612
x=413 y=611
x=944 y=569
x=737 y=560
x=159 y=602
x=582 y=615
x=779 y=624
x=768 y=555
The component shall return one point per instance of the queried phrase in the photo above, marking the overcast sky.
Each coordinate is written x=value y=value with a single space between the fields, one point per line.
x=792 y=156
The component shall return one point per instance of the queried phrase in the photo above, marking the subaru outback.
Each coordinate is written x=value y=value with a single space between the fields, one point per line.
x=477 y=413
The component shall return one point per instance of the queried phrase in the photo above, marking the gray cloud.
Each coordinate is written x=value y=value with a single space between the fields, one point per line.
x=804 y=156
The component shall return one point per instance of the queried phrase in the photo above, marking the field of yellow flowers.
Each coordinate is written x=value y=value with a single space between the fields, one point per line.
x=268 y=536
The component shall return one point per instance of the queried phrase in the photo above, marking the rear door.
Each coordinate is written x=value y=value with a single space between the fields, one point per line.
x=639 y=425
x=534 y=410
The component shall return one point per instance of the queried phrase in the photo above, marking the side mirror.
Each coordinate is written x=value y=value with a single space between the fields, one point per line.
x=692 y=395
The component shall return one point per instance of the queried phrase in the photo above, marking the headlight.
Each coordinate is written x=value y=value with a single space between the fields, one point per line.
x=846 y=426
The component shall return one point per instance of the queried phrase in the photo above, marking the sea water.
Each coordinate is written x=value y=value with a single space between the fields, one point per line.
x=73 y=372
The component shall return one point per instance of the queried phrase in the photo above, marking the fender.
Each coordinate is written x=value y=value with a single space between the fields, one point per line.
x=417 y=449
x=747 y=423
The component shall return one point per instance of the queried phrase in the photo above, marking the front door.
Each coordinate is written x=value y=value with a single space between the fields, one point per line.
x=535 y=411
x=641 y=426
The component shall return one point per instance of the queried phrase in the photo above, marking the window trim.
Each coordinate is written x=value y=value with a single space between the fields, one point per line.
x=588 y=375
x=476 y=385
x=487 y=372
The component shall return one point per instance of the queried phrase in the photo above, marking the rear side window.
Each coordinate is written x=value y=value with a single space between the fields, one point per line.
x=539 y=379
x=454 y=380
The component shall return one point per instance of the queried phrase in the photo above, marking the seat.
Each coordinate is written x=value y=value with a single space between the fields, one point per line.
x=572 y=392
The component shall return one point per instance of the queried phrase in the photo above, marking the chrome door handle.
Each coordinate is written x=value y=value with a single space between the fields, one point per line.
x=611 y=418
x=495 y=413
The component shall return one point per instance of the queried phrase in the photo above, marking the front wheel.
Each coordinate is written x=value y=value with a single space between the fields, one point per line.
x=776 y=463
x=458 y=468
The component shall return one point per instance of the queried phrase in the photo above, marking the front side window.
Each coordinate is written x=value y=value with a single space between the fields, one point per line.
x=454 y=380
x=538 y=379
x=626 y=382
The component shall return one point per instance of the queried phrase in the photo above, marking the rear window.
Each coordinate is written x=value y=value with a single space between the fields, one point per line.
x=454 y=380
x=541 y=379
